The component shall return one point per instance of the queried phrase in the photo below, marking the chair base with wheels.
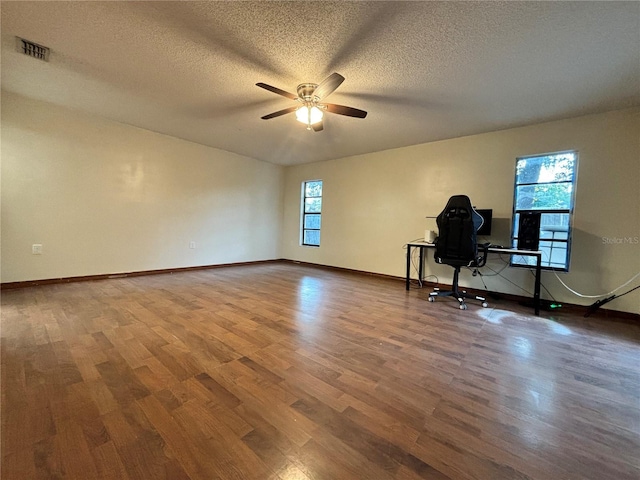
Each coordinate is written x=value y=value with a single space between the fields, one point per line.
x=456 y=293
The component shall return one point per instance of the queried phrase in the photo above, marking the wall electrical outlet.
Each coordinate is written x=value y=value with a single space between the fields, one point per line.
x=192 y=244
x=36 y=249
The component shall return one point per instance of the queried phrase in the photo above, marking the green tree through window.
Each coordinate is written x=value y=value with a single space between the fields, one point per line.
x=311 y=212
x=546 y=184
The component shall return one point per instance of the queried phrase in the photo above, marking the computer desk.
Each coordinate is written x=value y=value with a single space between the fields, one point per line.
x=508 y=251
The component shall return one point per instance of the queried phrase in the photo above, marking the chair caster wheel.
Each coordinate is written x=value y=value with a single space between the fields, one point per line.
x=431 y=299
x=485 y=304
x=463 y=307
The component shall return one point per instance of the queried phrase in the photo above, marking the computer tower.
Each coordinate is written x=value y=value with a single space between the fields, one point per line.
x=529 y=230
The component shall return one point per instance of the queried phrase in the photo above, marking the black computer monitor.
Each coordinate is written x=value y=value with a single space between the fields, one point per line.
x=486 y=214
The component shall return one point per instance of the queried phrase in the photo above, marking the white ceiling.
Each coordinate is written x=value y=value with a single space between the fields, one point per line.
x=424 y=71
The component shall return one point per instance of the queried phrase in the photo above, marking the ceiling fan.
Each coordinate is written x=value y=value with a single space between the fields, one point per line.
x=311 y=110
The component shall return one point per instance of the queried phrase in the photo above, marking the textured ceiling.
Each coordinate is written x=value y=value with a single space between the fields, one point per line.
x=424 y=71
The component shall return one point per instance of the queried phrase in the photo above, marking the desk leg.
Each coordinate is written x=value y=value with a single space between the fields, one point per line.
x=421 y=266
x=408 y=278
x=536 y=291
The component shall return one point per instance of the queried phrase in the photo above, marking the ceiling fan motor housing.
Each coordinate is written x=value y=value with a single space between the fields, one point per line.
x=305 y=91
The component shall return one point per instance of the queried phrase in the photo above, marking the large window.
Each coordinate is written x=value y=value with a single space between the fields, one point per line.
x=545 y=184
x=311 y=212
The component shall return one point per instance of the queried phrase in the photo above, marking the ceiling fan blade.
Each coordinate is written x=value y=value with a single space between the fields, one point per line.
x=328 y=85
x=342 y=110
x=317 y=127
x=277 y=90
x=280 y=112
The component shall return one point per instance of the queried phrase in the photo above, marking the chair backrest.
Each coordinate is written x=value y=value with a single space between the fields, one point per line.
x=458 y=223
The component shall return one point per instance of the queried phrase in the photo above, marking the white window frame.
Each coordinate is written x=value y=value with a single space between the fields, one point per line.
x=547 y=257
x=304 y=213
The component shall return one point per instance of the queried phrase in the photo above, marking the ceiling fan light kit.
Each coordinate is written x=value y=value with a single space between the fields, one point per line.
x=309 y=115
x=310 y=95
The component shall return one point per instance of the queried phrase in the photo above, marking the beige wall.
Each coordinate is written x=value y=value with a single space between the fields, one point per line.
x=103 y=197
x=374 y=204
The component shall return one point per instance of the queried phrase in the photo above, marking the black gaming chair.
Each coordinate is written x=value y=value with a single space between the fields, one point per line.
x=457 y=244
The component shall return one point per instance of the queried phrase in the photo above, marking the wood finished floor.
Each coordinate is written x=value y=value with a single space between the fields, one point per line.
x=280 y=371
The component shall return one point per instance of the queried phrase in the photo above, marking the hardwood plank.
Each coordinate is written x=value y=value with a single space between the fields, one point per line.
x=190 y=451
x=378 y=451
x=109 y=463
x=280 y=371
x=121 y=380
x=86 y=414
x=137 y=443
x=46 y=461
x=74 y=454
x=102 y=397
x=21 y=464
x=275 y=412
x=233 y=458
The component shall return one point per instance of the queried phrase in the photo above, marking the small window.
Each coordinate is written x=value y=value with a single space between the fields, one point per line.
x=545 y=184
x=311 y=212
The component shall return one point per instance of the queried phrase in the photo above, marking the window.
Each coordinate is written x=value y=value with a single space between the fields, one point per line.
x=546 y=184
x=311 y=212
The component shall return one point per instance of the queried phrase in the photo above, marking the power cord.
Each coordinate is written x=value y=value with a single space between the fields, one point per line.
x=601 y=301
x=476 y=272
x=508 y=280
x=414 y=263
x=598 y=303
x=542 y=285
x=492 y=274
x=555 y=303
x=604 y=294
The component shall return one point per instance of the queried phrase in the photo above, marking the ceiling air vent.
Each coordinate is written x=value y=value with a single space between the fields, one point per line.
x=33 y=49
